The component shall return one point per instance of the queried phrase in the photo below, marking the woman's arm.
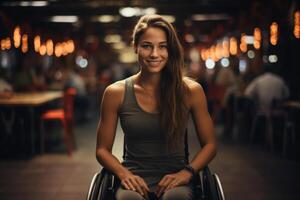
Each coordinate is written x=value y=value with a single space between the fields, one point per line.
x=204 y=128
x=106 y=131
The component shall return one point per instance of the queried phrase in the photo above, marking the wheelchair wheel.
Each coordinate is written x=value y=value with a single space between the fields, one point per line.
x=221 y=194
x=102 y=186
x=212 y=188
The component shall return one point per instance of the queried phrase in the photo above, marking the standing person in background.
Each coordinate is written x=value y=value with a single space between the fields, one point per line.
x=153 y=106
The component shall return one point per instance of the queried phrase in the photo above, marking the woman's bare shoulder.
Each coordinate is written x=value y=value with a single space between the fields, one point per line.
x=195 y=93
x=116 y=87
x=192 y=85
x=115 y=91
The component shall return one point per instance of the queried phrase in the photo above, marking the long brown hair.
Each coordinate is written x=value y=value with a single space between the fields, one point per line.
x=173 y=111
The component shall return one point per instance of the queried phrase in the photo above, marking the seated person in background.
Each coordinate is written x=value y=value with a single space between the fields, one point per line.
x=153 y=106
x=29 y=76
x=267 y=88
x=81 y=101
x=6 y=88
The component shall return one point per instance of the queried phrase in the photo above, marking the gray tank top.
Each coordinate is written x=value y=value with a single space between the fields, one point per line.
x=146 y=152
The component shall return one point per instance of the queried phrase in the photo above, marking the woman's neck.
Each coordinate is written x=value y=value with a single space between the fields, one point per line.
x=148 y=81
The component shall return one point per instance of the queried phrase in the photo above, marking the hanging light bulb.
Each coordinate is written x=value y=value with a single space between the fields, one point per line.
x=24 y=47
x=243 y=44
x=49 y=47
x=257 y=38
x=37 y=43
x=274 y=33
x=17 y=37
x=43 y=49
x=233 y=46
x=58 y=50
x=297 y=24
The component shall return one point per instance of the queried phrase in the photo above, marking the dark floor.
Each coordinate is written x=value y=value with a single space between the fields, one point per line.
x=246 y=172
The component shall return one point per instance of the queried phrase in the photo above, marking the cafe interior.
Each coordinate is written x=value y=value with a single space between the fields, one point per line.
x=58 y=56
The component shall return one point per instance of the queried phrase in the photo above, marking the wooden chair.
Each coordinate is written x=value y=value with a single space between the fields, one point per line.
x=65 y=116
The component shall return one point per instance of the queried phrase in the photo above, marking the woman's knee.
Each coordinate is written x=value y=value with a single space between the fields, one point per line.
x=123 y=194
x=178 y=193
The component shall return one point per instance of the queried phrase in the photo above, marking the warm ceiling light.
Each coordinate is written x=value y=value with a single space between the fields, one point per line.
x=43 y=50
x=274 y=33
x=37 y=43
x=233 y=46
x=27 y=3
x=297 y=24
x=49 y=47
x=169 y=18
x=135 y=11
x=17 y=37
x=210 y=17
x=5 y=44
x=70 y=46
x=148 y=11
x=204 y=54
x=24 y=47
x=119 y=45
x=106 y=18
x=127 y=55
x=113 y=38
x=64 y=19
x=257 y=38
x=58 y=50
x=127 y=12
x=243 y=44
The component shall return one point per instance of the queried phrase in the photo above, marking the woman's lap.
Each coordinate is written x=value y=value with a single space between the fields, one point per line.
x=178 y=193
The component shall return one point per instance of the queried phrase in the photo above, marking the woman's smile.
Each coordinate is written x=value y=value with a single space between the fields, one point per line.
x=154 y=63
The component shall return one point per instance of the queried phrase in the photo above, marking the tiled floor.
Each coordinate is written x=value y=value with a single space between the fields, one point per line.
x=247 y=172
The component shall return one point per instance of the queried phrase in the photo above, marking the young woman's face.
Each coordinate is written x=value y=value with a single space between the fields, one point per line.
x=152 y=50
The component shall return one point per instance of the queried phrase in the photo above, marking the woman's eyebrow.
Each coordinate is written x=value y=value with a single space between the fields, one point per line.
x=148 y=42
x=163 y=42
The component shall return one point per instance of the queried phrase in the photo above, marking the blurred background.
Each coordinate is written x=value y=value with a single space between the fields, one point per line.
x=50 y=47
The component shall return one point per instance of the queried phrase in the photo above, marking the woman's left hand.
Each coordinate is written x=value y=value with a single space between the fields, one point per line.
x=170 y=181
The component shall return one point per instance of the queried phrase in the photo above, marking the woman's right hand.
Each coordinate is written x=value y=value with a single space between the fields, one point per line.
x=135 y=183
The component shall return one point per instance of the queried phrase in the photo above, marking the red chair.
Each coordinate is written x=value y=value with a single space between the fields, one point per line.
x=65 y=115
x=215 y=96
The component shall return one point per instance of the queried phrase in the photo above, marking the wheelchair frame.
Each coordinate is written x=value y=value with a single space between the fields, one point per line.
x=207 y=186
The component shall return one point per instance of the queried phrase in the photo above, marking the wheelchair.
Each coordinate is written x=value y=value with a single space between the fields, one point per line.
x=206 y=185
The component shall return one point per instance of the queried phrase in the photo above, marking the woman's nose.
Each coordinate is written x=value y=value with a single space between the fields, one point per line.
x=154 y=52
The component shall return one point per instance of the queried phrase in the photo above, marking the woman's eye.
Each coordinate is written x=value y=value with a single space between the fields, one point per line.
x=146 y=46
x=163 y=46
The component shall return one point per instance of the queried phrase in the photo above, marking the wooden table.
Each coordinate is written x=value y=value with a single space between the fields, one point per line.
x=29 y=101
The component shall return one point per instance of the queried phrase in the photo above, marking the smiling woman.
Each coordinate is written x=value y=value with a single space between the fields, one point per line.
x=152 y=50
x=153 y=106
